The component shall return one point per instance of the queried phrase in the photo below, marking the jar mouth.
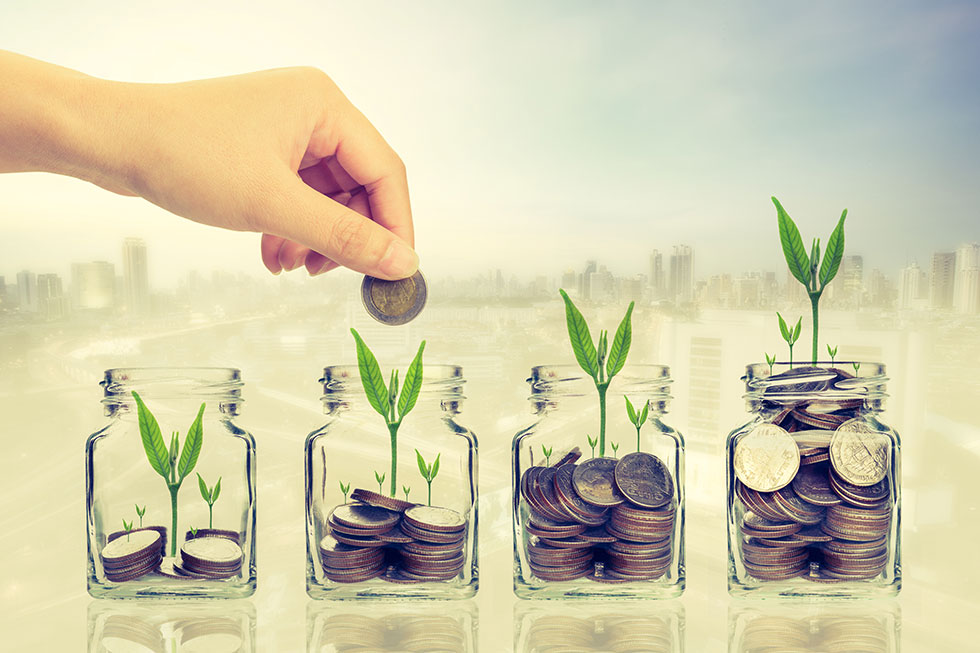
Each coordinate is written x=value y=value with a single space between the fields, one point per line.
x=446 y=380
x=571 y=381
x=786 y=383
x=222 y=383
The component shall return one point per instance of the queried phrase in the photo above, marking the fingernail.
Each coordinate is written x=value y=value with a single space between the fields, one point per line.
x=399 y=261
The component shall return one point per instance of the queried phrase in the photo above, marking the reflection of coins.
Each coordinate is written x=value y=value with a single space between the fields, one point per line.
x=767 y=458
x=858 y=453
x=394 y=302
x=644 y=480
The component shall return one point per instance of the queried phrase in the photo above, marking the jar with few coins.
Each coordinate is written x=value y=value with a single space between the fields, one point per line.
x=598 y=517
x=814 y=485
x=391 y=517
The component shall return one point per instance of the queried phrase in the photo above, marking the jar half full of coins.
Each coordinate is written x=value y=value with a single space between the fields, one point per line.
x=814 y=485
x=598 y=494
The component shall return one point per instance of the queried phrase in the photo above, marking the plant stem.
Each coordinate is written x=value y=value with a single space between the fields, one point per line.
x=637 y=439
x=602 y=419
x=430 y=492
x=173 y=522
x=393 y=431
x=210 y=515
x=815 y=303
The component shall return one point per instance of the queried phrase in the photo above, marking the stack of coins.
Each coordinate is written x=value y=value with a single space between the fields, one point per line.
x=131 y=556
x=813 y=487
x=210 y=557
x=606 y=519
x=400 y=542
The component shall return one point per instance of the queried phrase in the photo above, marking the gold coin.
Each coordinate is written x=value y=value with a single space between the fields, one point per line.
x=394 y=302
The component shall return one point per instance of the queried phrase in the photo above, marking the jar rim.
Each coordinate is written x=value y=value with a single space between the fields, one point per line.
x=564 y=380
x=119 y=383
x=436 y=378
x=823 y=380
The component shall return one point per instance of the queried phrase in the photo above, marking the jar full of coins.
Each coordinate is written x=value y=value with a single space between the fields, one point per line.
x=391 y=486
x=170 y=487
x=814 y=493
x=598 y=489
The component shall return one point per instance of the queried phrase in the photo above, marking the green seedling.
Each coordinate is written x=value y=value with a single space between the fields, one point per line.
x=210 y=495
x=128 y=527
x=790 y=335
x=193 y=532
x=857 y=367
x=547 y=455
x=380 y=478
x=385 y=398
x=406 y=490
x=808 y=270
x=615 y=448
x=771 y=360
x=593 y=359
x=592 y=443
x=173 y=464
x=139 y=513
x=345 y=489
x=637 y=419
x=428 y=471
x=832 y=352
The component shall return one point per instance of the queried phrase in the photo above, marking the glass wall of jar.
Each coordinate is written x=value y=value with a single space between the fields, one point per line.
x=391 y=517
x=814 y=485
x=598 y=517
x=170 y=487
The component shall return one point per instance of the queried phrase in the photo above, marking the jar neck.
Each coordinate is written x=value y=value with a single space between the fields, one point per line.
x=173 y=390
x=553 y=386
x=441 y=392
x=854 y=384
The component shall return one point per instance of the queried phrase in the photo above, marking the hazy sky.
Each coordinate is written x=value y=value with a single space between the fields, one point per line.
x=540 y=134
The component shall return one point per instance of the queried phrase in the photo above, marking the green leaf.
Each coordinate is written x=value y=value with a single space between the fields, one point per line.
x=621 y=344
x=603 y=347
x=783 y=330
x=127 y=525
x=435 y=467
x=174 y=450
x=216 y=491
x=423 y=468
x=193 y=531
x=644 y=414
x=140 y=512
x=770 y=359
x=413 y=384
x=344 y=488
x=392 y=393
x=371 y=378
x=834 y=254
x=380 y=478
x=630 y=410
x=796 y=329
x=789 y=236
x=580 y=338
x=592 y=442
x=832 y=352
x=203 y=487
x=153 y=445
x=192 y=445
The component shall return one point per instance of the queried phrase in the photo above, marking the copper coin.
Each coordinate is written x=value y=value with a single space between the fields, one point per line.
x=585 y=513
x=570 y=457
x=434 y=518
x=380 y=500
x=394 y=302
x=767 y=458
x=594 y=481
x=644 y=480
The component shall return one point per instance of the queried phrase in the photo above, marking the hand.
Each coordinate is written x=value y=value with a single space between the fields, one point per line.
x=282 y=152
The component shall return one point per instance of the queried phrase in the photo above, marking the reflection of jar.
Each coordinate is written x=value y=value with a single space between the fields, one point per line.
x=151 y=530
x=376 y=526
x=597 y=518
x=165 y=626
x=814 y=492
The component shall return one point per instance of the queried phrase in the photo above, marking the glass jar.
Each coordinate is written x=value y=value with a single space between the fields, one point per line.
x=596 y=519
x=376 y=528
x=814 y=485
x=152 y=532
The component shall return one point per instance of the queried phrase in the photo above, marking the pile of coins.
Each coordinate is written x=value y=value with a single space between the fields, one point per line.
x=400 y=542
x=814 y=488
x=211 y=557
x=605 y=519
x=131 y=555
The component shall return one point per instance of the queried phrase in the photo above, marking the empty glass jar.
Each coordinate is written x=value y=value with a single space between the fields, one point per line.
x=170 y=487
x=388 y=515
x=814 y=485
x=598 y=516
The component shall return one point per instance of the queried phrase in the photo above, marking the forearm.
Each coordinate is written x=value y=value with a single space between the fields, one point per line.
x=54 y=119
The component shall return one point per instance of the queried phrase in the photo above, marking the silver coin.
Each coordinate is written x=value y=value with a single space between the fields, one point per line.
x=394 y=302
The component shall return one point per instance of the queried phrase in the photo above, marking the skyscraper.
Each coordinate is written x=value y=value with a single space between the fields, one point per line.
x=584 y=289
x=941 y=279
x=27 y=291
x=136 y=283
x=93 y=285
x=51 y=301
x=682 y=274
x=966 y=281
x=658 y=281
x=913 y=291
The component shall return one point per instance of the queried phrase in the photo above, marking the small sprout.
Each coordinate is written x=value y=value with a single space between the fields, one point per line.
x=832 y=352
x=140 y=512
x=210 y=495
x=345 y=489
x=790 y=335
x=592 y=443
x=128 y=527
x=380 y=478
x=406 y=490
x=857 y=367
x=637 y=419
x=547 y=455
x=615 y=448
x=428 y=471
x=193 y=532
x=772 y=361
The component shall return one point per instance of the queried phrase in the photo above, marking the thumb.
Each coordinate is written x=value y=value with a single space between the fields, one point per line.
x=307 y=217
